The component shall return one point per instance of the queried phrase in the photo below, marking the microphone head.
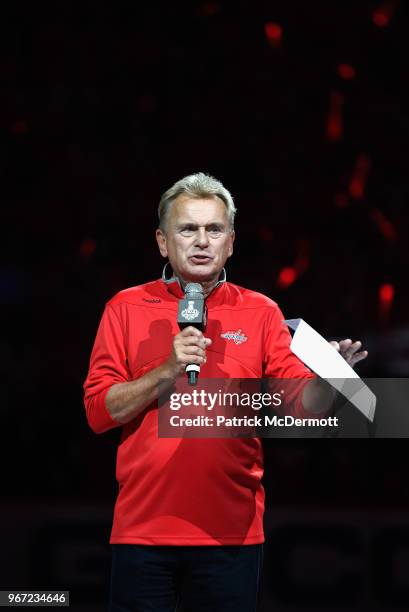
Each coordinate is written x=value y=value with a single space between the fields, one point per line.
x=194 y=291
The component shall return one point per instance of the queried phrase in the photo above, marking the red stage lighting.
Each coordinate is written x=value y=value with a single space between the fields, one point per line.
x=383 y=14
x=380 y=18
x=345 y=71
x=88 y=247
x=334 y=119
x=274 y=33
x=286 y=277
x=386 y=293
x=208 y=9
x=385 y=226
x=359 y=177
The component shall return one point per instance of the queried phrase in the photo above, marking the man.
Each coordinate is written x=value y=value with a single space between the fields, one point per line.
x=187 y=528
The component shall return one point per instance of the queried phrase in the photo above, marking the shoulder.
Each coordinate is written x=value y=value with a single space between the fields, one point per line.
x=137 y=295
x=246 y=298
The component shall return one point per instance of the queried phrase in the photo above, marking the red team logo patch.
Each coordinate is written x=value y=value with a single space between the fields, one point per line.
x=238 y=336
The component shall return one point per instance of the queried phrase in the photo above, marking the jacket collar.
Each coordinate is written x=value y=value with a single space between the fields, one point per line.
x=174 y=286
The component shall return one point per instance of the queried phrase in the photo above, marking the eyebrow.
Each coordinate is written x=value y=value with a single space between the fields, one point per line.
x=191 y=225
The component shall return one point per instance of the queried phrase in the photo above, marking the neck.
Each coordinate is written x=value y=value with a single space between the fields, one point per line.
x=208 y=286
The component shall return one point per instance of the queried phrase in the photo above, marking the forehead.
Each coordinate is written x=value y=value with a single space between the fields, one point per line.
x=201 y=211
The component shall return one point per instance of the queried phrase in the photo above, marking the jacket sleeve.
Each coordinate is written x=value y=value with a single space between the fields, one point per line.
x=108 y=366
x=280 y=362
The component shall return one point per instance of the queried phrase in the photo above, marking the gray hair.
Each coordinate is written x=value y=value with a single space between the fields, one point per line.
x=197 y=185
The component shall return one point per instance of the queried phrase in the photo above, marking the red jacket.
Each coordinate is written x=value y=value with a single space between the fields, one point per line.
x=186 y=491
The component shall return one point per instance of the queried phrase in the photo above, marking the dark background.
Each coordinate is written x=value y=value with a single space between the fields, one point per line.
x=301 y=110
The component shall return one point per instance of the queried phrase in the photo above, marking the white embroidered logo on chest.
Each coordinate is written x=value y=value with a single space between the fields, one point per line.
x=238 y=336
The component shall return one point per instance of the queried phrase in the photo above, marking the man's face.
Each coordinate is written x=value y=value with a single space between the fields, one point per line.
x=198 y=238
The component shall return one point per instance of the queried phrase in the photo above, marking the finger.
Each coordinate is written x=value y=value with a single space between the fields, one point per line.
x=334 y=344
x=191 y=341
x=358 y=357
x=355 y=346
x=193 y=350
x=351 y=350
x=344 y=344
x=186 y=359
x=194 y=340
x=344 y=348
x=191 y=331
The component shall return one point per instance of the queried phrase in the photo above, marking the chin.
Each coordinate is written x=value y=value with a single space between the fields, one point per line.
x=200 y=274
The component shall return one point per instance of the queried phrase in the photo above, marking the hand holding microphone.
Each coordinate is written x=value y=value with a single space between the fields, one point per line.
x=189 y=351
x=192 y=319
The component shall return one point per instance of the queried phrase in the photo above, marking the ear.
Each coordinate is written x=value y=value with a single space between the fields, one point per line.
x=232 y=237
x=161 y=240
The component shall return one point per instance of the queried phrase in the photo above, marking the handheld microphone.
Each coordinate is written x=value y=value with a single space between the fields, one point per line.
x=192 y=310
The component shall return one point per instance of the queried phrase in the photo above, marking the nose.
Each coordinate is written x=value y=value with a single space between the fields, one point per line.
x=202 y=240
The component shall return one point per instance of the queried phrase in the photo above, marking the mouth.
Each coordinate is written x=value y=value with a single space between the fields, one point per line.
x=200 y=260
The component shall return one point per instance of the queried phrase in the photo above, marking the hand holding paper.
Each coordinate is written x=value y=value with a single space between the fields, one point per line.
x=350 y=351
x=327 y=362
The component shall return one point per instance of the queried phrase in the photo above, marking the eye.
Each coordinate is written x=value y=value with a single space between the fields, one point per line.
x=187 y=230
x=215 y=230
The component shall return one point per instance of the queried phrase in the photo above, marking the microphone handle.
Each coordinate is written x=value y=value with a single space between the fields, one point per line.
x=192 y=370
